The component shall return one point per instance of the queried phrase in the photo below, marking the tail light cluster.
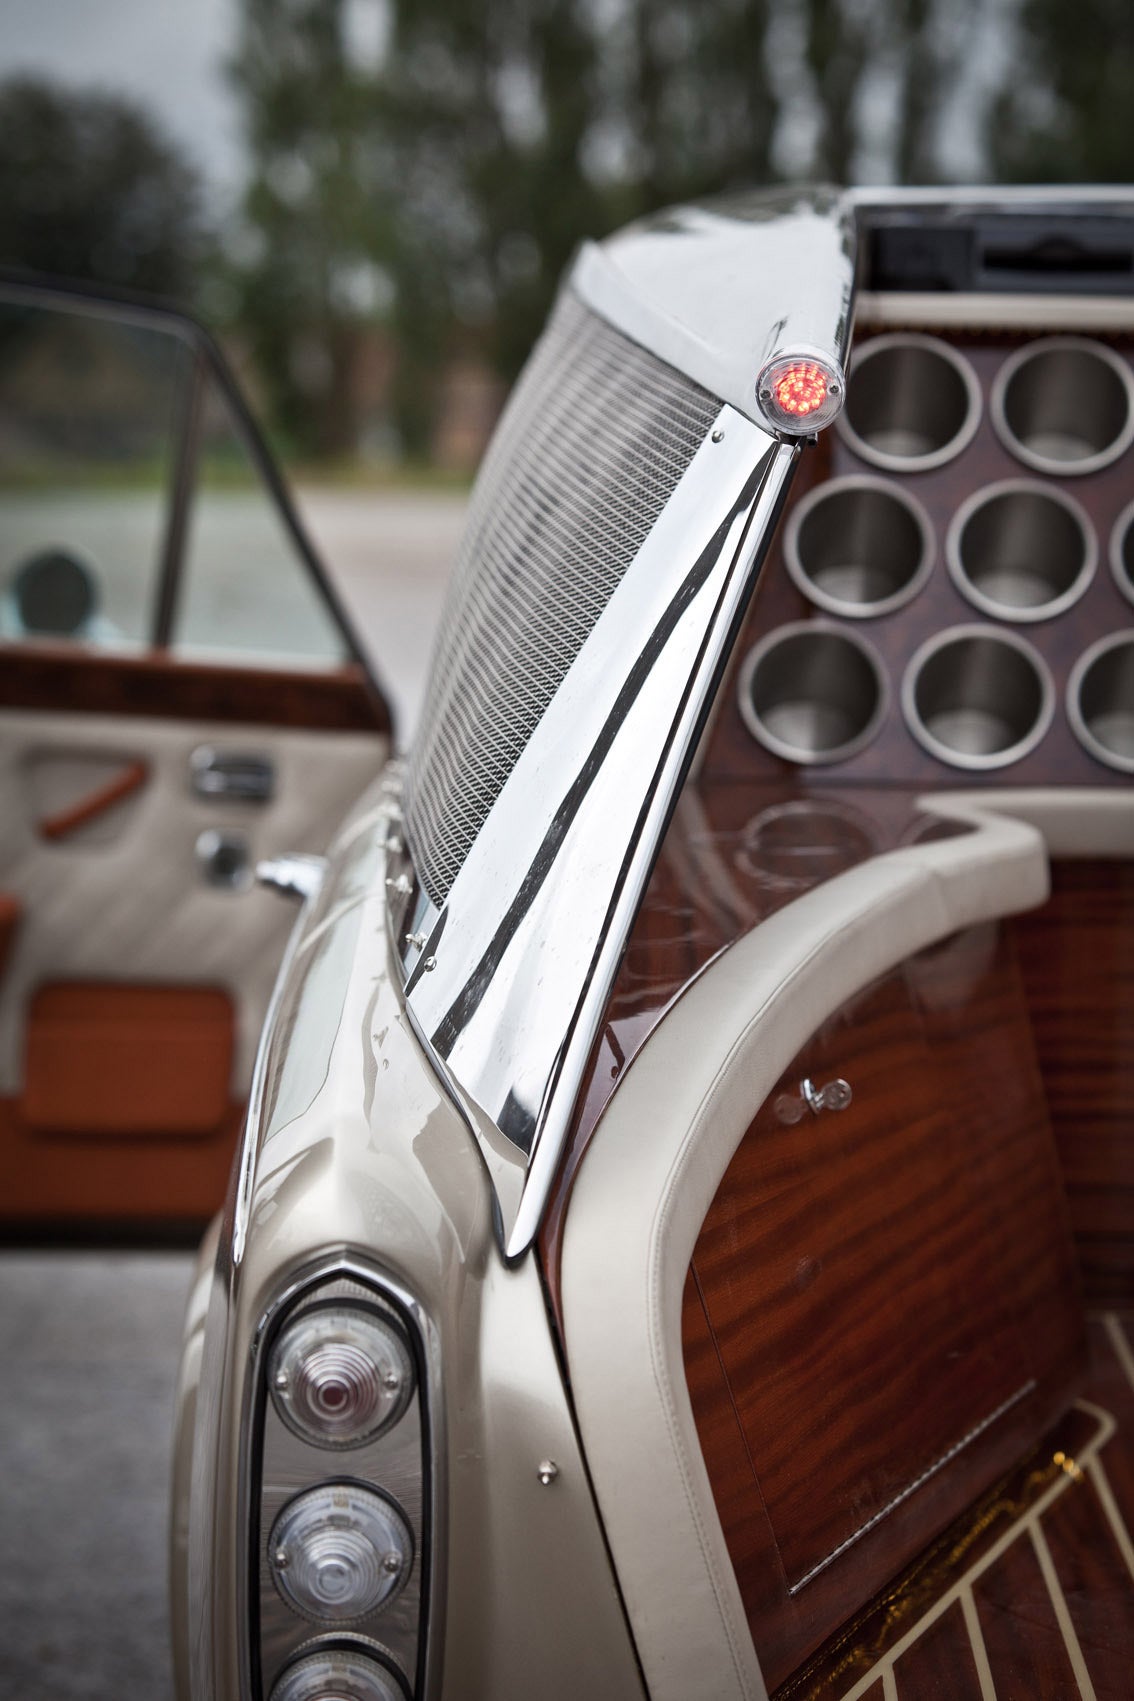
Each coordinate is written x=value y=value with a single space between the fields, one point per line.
x=341 y=1526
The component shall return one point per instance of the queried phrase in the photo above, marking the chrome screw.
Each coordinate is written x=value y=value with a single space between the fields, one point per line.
x=392 y=1564
x=280 y=1559
x=281 y=1379
x=547 y=1471
x=429 y=965
x=718 y=434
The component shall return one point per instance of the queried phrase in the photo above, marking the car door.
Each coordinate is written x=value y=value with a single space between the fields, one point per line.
x=180 y=697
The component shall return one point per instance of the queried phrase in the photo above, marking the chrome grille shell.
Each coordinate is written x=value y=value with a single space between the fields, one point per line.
x=594 y=440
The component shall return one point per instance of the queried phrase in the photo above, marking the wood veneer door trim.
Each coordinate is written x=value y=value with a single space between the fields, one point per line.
x=647 y=1182
x=67 y=680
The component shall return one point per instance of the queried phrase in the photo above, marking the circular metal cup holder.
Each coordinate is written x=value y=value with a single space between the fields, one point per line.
x=912 y=403
x=858 y=548
x=811 y=693
x=1020 y=551
x=1122 y=552
x=1100 y=700
x=1064 y=405
x=977 y=698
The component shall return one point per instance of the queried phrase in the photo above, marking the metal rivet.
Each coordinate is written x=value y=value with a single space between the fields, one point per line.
x=718 y=434
x=392 y=1564
x=280 y=1559
x=547 y=1471
x=429 y=965
x=281 y=1378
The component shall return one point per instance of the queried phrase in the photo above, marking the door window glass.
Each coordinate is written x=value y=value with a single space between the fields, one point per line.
x=246 y=592
x=90 y=409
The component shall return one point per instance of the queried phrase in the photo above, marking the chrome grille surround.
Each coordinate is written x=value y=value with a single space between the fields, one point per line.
x=592 y=444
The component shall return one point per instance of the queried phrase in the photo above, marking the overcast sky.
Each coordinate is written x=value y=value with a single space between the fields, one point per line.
x=167 y=54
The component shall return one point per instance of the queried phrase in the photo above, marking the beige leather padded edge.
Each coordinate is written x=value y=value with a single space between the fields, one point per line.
x=650 y=1175
x=138 y=909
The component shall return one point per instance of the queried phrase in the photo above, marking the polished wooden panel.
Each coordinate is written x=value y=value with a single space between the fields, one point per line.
x=1077 y=957
x=71 y=680
x=963 y=1556
x=940 y=1666
x=735 y=853
x=1056 y=1503
x=9 y=921
x=889 y=1291
x=895 y=755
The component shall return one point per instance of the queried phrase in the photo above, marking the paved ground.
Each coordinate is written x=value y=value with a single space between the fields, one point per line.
x=88 y=1341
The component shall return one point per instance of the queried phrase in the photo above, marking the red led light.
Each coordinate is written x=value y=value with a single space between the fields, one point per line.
x=800 y=392
x=801 y=389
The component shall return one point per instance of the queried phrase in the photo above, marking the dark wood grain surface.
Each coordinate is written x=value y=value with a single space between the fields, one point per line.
x=70 y=680
x=1077 y=957
x=889 y=1293
x=1050 y=1512
x=735 y=853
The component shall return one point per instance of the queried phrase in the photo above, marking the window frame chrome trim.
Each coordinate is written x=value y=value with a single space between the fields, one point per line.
x=708 y=544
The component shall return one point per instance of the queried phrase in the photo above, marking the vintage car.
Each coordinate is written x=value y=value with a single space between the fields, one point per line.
x=683 y=1221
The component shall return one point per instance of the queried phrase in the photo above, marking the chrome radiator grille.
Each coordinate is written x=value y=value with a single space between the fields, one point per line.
x=592 y=443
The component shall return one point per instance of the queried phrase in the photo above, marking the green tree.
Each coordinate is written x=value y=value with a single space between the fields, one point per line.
x=1065 y=113
x=90 y=189
x=315 y=213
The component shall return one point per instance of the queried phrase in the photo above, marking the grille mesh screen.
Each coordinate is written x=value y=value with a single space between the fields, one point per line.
x=594 y=438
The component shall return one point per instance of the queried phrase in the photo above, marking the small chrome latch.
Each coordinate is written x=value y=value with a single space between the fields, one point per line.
x=836 y=1095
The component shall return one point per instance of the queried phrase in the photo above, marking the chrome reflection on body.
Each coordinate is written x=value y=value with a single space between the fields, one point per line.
x=306 y=884
x=527 y=945
x=720 y=291
x=293 y=876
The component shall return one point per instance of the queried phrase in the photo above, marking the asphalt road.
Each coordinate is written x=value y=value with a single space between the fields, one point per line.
x=89 y=1340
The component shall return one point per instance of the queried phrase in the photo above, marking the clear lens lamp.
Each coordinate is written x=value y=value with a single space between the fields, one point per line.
x=800 y=393
x=337 y=1674
x=340 y=1376
x=339 y=1552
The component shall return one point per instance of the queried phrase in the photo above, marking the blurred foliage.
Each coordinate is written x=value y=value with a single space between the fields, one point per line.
x=420 y=171
x=90 y=189
x=1066 y=114
x=462 y=162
